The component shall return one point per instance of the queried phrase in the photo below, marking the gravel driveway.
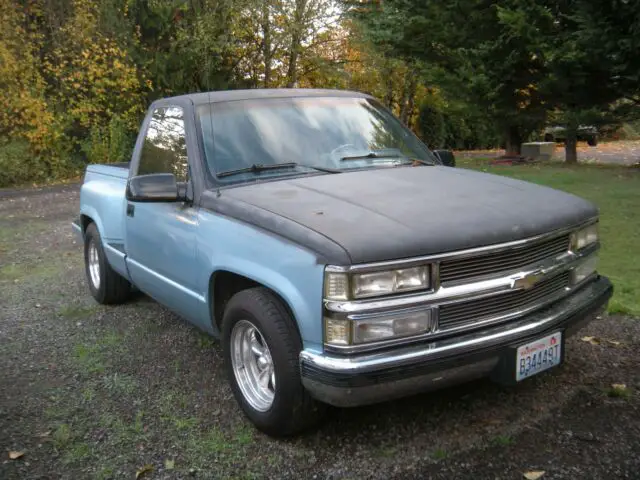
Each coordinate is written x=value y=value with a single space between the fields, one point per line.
x=88 y=391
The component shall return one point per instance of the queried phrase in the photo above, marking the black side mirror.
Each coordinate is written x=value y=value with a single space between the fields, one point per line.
x=155 y=187
x=446 y=157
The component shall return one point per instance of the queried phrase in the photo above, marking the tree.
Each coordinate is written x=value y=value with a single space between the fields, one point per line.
x=594 y=66
x=489 y=54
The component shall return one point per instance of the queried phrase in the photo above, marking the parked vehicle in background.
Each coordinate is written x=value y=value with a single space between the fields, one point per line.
x=585 y=133
x=338 y=259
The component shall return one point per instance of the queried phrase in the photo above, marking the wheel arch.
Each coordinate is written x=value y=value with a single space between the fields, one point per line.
x=224 y=284
x=85 y=221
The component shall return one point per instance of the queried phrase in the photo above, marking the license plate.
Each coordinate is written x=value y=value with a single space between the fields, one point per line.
x=538 y=356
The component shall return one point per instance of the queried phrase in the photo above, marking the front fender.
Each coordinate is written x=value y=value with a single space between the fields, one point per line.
x=291 y=271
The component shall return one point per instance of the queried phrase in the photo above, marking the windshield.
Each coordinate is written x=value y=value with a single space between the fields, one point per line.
x=340 y=133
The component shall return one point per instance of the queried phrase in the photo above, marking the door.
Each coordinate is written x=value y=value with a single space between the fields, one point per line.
x=161 y=236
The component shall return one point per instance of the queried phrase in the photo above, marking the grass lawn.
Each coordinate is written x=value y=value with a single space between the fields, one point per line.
x=616 y=192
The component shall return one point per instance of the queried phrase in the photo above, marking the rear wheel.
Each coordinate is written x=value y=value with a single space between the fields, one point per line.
x=261 y=348
x=548 y=137
x=105 y=284
x=592 y=141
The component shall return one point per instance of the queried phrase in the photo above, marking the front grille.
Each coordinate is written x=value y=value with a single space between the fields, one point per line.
x=467 y=313
x=498 y=263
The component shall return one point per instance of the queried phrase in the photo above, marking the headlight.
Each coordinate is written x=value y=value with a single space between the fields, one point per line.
x=584 y=237
x=343 y=286
x=353 y=332
x=584 y=269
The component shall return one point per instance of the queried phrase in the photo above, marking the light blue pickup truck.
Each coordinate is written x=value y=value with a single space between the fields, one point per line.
x=338 y=259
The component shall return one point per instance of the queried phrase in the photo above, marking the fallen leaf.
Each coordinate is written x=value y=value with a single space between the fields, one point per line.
x=591 y=340
x=45 y=434
x=13 y=455
x=535 y=475
x=169 y=464
x=621 y=387
x=614 y=342
x=142 y=470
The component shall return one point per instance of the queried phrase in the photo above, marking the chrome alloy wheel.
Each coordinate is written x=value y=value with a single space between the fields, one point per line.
x=94 y=264
x=252 y=365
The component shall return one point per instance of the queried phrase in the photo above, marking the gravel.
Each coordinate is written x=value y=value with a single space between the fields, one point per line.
x=88 y=391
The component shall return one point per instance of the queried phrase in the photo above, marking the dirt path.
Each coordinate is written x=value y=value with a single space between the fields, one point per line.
x=93 y=392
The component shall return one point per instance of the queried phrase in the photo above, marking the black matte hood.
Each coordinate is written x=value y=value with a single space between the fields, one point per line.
x=400 y=212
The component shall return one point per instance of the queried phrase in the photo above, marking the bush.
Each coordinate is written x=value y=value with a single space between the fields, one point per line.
x=469 y=131
x=456 y=126
x=431 y=126
x=13 y=157
x=109 y=144
x=630 y=131
x=20 y=165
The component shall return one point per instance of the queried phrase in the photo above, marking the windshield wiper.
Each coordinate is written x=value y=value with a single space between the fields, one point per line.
x=384 y=155
x=370 y=155
x=259 y=167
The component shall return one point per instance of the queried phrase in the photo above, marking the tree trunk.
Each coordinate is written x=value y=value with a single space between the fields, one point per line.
x=266 y=42
x=571 y=144
x=404 y=100
x=410 y=97
x=388 y=74
x=513 y=140
x=296 y=38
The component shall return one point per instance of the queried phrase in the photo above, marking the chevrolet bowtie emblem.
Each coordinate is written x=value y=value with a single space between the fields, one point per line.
x=528 y=281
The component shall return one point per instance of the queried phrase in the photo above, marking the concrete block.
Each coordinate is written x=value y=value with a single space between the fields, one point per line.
x=539 y=151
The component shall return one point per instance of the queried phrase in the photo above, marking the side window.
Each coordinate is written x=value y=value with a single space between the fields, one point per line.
x=165 y=147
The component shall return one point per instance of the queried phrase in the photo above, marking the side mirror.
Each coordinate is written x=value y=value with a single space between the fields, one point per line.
x=155 y=187
x=446 y=157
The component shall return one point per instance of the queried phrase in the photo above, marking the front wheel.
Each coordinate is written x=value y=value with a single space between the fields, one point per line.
x=261 y=348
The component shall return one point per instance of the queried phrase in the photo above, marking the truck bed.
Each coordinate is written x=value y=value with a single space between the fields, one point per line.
x=118 y=170
x=102 y=198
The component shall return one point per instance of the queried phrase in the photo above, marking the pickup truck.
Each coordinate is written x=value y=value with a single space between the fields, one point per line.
x=338 y=259
x=585 y=133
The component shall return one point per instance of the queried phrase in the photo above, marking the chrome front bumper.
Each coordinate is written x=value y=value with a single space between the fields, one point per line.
x=343 y=380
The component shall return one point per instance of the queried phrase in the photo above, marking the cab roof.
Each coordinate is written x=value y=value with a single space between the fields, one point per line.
x=231 y=95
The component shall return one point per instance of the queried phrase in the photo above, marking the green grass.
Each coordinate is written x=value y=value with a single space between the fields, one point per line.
x=503 y=440
x=89 y=359
x=616 y=192
x=619 y=391
x=74 y=312
x=18 y=272
x=78 y=453
x=93 y=358
x=120 y=383
x=62 y=436
x=439 y=454
x=244 y=435
x=205 y=341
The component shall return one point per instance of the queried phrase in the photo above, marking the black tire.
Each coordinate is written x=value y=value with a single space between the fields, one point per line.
x=592 y=141
x=293 y=410
x=548 y=137
x=112 y=287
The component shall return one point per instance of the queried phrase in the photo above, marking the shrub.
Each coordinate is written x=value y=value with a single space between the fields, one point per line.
x=431 y=126
x=18 y=165
x=109 y=144
x=630 y=131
